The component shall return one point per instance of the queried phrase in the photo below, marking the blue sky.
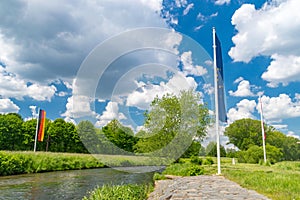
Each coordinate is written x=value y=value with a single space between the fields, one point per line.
x=44 y=45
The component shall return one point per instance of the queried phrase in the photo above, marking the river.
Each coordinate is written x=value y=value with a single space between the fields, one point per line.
x=63 y=185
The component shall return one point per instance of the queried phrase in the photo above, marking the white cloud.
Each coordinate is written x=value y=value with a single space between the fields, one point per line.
x=221 y=2
x=47 y=40
x=188 y=8
x=189 y=68
x=292 y=134
x=14 y=87
x=208 y=88
x=244 y=109
x=144 y=97
x=283 y=69
x=279 y=108
x=155 y=5
x=7 y=106
x=111 y=112
x=243 y=89
x=34 y=112
x=269 y=31
x=78 y=107
x=181 y=3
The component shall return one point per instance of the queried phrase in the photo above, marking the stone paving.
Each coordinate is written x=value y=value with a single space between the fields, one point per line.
x=201 y=187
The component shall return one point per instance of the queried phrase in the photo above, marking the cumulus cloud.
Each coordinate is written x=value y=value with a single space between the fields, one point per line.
x=189 y=68
x=244 y=88
x=143 y=97
x=111 y=112
x=78 y=107
x=14 y=87
x=34 y=112
x=293 y=134
x=266 y=31
x=7 y=106
x=279 y=108
x=244 y=109
x=48 y=40
x=283 y=69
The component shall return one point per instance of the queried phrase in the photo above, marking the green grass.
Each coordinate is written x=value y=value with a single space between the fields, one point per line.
x=280 y=181
x=120 y=192
x=126 y=160
x=12 y=163
x=20 y=162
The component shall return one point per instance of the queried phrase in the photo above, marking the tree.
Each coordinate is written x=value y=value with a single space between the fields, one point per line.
x=255 y=154
x=10 y=131
x=28 y=130
x=88 y=136
x=119 y=135
x=173 y=118
x=245 y=133
x=193 y=150
x=211 y=150
x=58 y=135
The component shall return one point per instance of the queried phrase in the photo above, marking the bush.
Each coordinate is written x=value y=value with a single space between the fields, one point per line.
x=196 y=160
x=186 y=169
x=208 y=161
x=116 y=192
x=255 y=153
x=158 y=176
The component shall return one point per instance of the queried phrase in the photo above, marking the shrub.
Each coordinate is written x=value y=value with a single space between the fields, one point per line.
x=208 y=161
x=196 y=160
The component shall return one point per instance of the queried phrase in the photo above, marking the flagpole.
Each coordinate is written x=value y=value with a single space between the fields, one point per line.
x=262 y=129
x=36 y=130
x=216 y=101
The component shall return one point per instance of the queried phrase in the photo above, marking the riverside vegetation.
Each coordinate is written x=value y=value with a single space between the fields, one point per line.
x=12 y=163
x=278 y=182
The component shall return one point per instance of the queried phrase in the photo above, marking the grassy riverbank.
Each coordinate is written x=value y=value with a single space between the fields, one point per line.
x=22 y=162
x=115 y=192
x=12 y=163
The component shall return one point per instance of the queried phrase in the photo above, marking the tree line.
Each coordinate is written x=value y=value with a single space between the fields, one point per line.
x=246 y=135
x=171 y=118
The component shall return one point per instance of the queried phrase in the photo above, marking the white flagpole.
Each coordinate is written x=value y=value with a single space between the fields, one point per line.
x=216 y=101
x=36 y=130
x=262 y=129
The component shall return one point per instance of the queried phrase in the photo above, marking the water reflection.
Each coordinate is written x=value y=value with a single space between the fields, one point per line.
x=64 y=185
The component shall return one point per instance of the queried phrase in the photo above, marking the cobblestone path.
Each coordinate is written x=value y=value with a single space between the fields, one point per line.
x=202 y=187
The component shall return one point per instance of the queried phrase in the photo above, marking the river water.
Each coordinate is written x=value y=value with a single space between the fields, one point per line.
x=63 y=185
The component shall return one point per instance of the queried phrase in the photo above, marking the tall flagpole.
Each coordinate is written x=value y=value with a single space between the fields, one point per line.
x=216 y=100
x=262 y=129
x=36 y=130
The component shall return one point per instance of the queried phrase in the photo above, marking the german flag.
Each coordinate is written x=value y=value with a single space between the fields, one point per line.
x=41 y=125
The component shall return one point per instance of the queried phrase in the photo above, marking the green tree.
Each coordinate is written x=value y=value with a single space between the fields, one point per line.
x=211 y=150
x=193 y=150
x=255 y=154
x=28 y=130
x=119 y=135
x=172 y=116
x=88 y=135
x=10 y=131
x=58 y=136
x=245 y=133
